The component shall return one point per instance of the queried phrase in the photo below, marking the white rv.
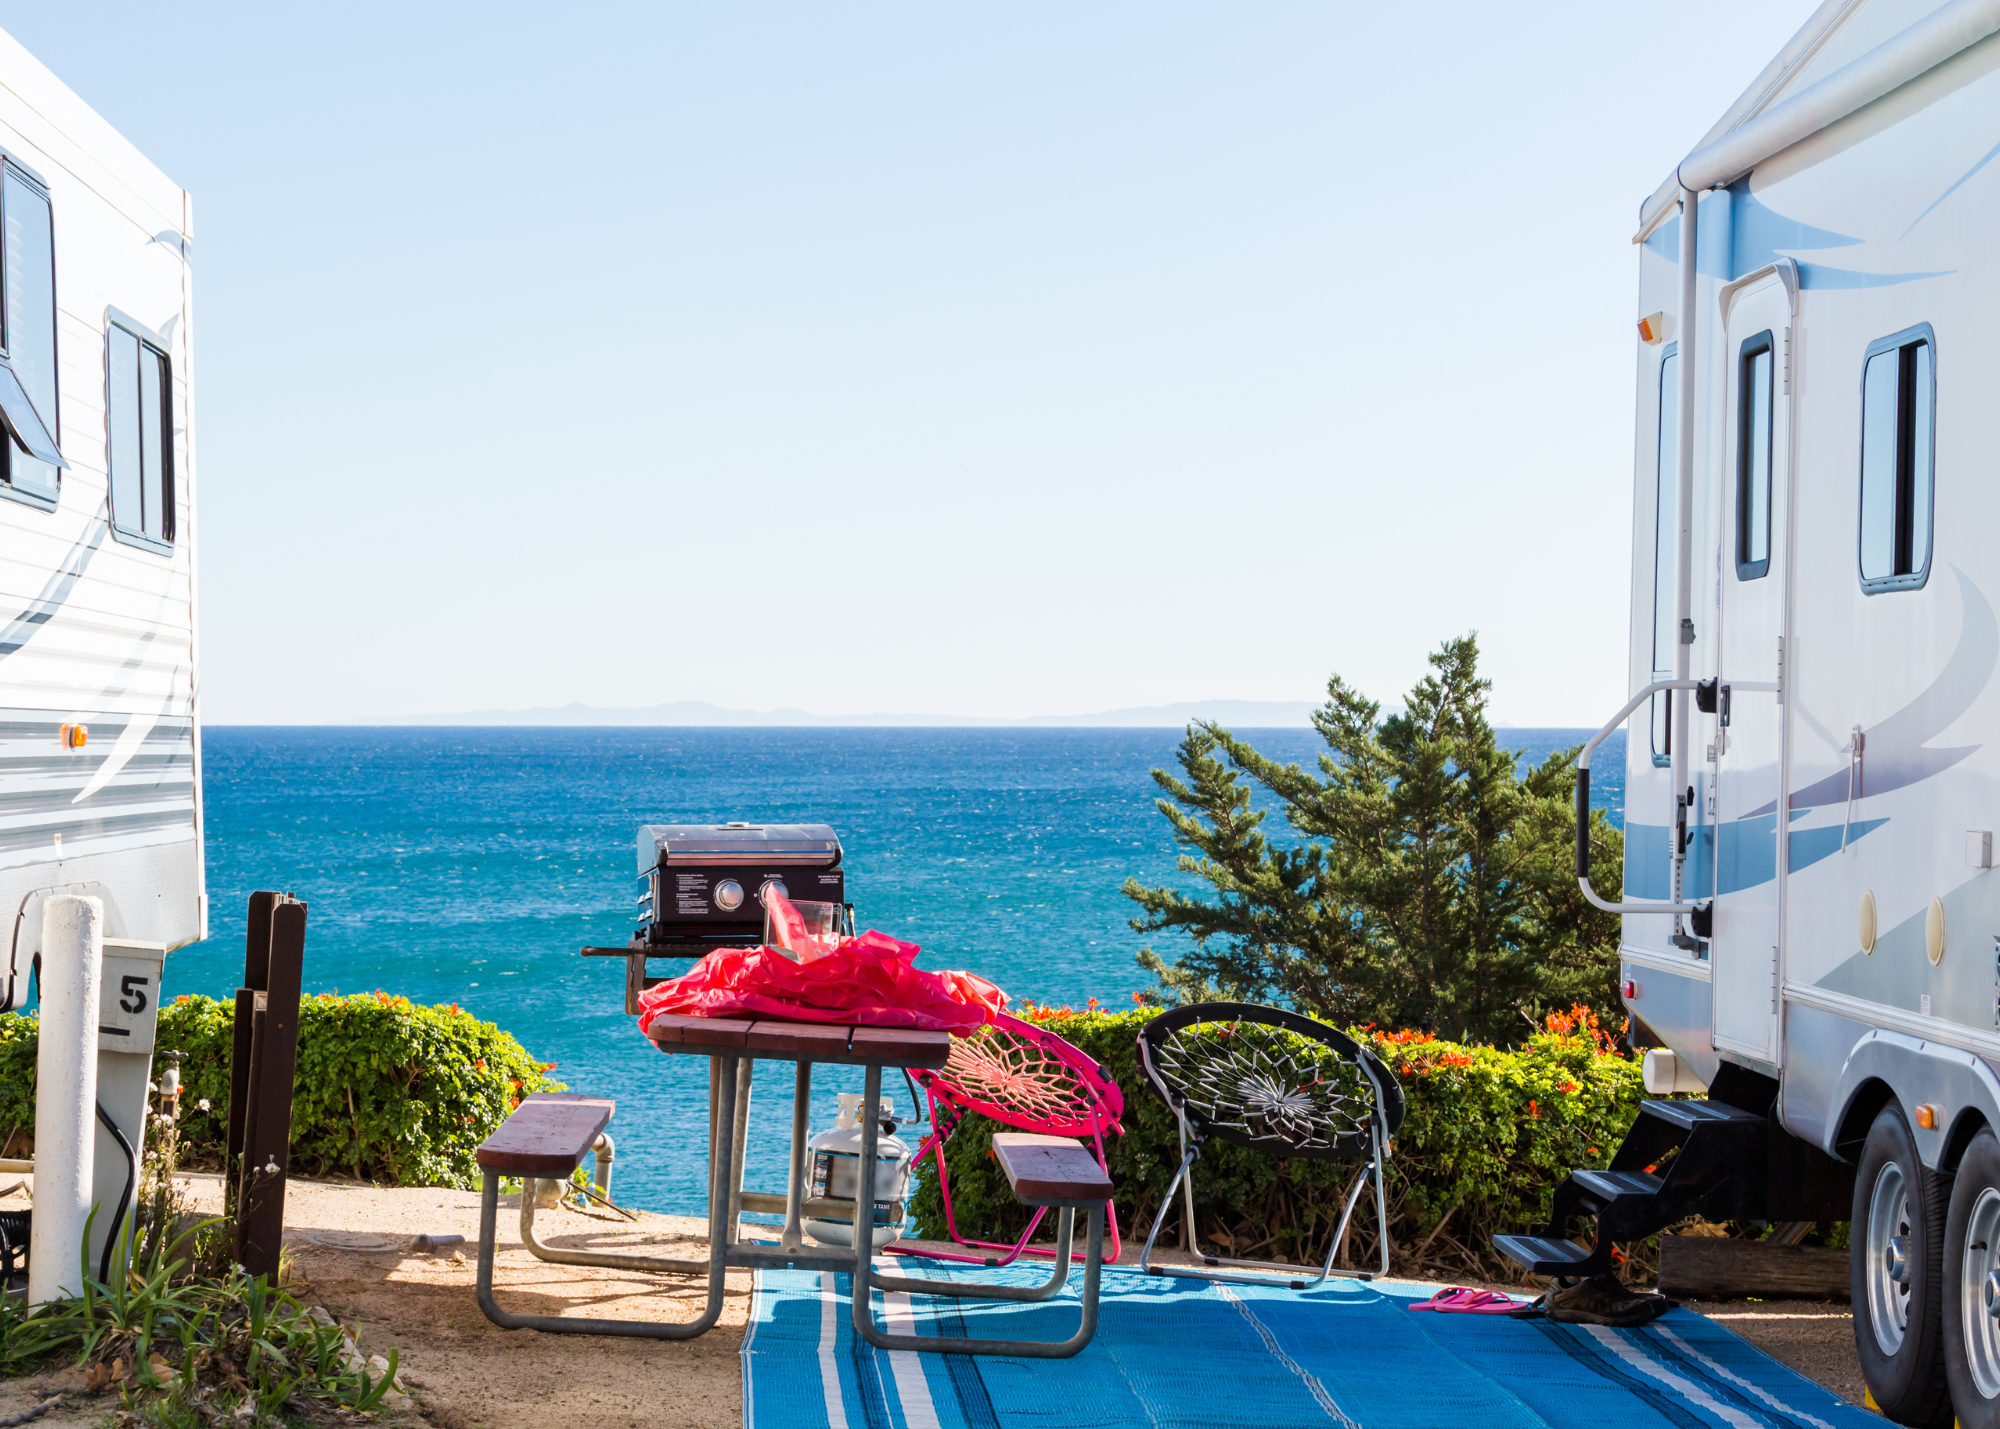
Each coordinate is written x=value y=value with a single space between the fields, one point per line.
x=99 y=740
x=1811 y=905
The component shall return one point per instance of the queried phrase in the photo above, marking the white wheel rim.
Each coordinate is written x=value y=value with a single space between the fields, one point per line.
x=1887 y=1251
x=1979 y=1258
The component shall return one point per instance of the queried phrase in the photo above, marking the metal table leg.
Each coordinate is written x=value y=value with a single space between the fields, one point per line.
x=865 y=1280
x=794 y=1236
x=489 y=1215
x=740 y=1136
x=555 y=1255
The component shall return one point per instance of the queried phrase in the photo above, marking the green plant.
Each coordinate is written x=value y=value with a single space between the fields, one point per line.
x=1487 y=1135
x=183 y=1350
x=386 y=1090
x=1431 y=883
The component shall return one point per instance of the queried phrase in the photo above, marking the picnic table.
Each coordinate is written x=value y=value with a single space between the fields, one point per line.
x=555 y=1132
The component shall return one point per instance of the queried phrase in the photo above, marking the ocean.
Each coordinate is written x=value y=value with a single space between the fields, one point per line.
x=469 y=865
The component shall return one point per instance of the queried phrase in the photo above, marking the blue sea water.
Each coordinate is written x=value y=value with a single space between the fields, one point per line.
x=469 y=865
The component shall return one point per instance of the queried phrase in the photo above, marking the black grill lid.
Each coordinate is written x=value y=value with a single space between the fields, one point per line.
x=719 y=845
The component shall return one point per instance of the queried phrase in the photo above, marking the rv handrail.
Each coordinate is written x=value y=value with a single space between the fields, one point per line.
x=1583 y=804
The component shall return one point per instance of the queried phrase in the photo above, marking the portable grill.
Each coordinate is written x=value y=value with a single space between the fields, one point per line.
x=702 y=888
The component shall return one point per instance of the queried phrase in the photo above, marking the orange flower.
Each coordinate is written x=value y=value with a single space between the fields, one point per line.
x=1139 y=997
x=480 y=1065
x=1534 y=1110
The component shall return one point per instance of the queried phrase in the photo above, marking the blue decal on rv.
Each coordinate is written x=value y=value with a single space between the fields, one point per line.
x=1749 y=855
x=38 y=612
x=1894 y=755
x=1759 y=234
x=1753 y=234
x=1809 y=846
x=1955 y=186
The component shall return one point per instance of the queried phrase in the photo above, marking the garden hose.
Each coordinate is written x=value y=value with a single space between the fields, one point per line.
x=124 y=1198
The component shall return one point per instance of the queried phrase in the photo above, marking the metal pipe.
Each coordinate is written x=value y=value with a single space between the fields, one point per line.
x=557 y=1256
x=794 y=1235
x=1684 y=553
x=985 y=1290
x=65 y=1095
x=603 y=1149
x=1583 y=805
x=740 y=1132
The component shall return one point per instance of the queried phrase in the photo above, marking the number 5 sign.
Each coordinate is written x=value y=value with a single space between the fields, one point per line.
x=129 y=1004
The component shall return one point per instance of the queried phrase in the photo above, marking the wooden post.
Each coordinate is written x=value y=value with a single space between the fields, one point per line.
x=264 y=1061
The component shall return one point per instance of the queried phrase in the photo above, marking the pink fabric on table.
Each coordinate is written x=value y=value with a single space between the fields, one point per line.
x=871 y=980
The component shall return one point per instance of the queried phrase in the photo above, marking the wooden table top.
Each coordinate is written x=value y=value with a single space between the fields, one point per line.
x=801 y=1041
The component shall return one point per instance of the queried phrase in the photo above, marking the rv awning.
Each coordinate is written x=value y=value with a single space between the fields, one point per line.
x=23 y=422
x=1750 y=137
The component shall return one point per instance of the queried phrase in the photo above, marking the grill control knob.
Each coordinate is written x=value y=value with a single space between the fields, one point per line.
x=729 y=895
x=777 y=886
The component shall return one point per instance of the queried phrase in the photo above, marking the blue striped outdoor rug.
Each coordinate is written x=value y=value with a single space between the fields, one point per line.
x=1172 y=1353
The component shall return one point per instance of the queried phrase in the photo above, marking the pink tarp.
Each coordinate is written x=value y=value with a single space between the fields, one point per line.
x=870 y=980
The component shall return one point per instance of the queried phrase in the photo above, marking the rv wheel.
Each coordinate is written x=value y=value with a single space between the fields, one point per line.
x=1972 y=1285
x=1895 y=1269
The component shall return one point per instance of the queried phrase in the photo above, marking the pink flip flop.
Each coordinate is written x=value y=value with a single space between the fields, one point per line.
x=1460 y=1300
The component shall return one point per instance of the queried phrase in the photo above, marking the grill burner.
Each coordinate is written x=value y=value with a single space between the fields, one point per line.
x=702 y=887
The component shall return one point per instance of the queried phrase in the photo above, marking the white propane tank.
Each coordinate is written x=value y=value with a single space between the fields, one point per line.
x=836 y=1163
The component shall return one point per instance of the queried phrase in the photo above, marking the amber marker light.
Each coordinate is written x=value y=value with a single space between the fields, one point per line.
x=1927 y=1117
x=75 y=736
x=1653 y=328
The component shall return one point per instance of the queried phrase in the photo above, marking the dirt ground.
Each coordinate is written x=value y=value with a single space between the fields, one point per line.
x=347 y=1246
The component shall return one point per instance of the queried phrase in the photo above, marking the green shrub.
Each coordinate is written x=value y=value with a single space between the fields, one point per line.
x=1488 y=1134
x=386 y=1090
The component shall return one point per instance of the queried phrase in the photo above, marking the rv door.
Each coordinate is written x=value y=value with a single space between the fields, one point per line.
x=1746 y=757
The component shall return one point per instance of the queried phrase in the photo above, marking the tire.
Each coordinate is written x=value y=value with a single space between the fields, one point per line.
x=1896 y=1271
x=1971 y=1255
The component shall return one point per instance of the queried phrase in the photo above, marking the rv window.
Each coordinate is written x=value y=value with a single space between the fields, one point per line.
x=1898 y=417
x=1666 y=549
x=1753 y=458
x=140 y=445
x=28 y=321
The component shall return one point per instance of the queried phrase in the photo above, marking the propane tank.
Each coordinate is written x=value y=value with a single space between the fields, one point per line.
x=836 y=1163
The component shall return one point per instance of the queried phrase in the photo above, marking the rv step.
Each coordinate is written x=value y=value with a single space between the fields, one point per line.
x=1546 y=1255
x=1604 y=1188
x=1689 y=1115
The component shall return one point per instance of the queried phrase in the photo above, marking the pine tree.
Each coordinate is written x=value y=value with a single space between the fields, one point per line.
x=1427 y=881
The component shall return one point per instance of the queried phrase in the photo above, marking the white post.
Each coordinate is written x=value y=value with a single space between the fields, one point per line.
x=65 y=1095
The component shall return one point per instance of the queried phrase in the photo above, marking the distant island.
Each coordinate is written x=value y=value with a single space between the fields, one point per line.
x=1236 y=714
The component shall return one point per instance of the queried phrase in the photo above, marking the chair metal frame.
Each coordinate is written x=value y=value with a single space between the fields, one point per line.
x=1258 y=1077
x=1028 y=1079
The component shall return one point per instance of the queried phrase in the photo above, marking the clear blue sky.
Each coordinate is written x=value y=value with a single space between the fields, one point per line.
x=994 y=360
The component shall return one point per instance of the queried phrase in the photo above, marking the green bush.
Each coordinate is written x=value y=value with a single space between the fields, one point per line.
x=386 y=1090
x=1488 y=1134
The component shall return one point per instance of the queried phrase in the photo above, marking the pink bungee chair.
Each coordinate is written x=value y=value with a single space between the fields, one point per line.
x=1027 y=1079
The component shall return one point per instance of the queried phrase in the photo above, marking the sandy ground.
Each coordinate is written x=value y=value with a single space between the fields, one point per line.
x=347 y=1253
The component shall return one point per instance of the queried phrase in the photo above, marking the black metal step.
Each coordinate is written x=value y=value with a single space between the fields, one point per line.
x=1688 y=1115
x=1544 y=1255
x=1604 y=1188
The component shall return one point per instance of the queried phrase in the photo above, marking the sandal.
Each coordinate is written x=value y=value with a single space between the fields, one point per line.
x=1463 y=1300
